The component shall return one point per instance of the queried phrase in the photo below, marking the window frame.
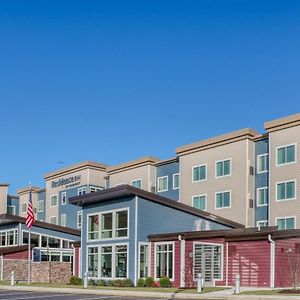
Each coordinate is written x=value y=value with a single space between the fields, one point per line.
x=63 y=218
x=139 y=258
x=198 y=196
x=257 y=163
x=285 y=182
x=54 y=195
x=81 y=191
x=79 y=213
x=285 y=218
x=199 y=166
x=174 y=187
x=51 y=218
x=167 y=185
x=223 y=160
x=43 y=206
x=137 y=180
x=24 y=204
x=257 y=196
x=230 y=199
x=64 y=197
x=13 y=207
x=261 y=221
x=286 y=146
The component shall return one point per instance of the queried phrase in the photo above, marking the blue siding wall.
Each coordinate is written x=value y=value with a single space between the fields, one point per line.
x=168 y=170
x=128 y=202
x=154 y=218
x=261 y=180
x=42 y=215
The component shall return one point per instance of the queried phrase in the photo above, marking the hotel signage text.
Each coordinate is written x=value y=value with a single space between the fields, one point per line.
x=68 y=182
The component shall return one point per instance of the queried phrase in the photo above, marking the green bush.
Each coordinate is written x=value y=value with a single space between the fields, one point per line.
x=122 y=282
x=165 y=281
x=149 y=281
x=128 y=282
x=141 y=282
x=110 y=283
x=102 y=282
x=75 y=280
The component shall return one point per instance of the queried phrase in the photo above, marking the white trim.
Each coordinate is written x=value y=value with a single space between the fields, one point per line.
x=43 y=206
x=77 y=221
x=63 y=217
x=81 y=190
x=139 y=257
x=222 y=192
x=199 y=166
x=173 y=259
x=13 y=208
x=51 y=196
x=63 y=194
x=202 y=195
x=223 y=160
x=285 y=146
x=285 y=182
x=257 y=196
x=135 y=239
x=176 y=174
x=99 y=214
x=138 y=179
x=260 y=221
x=257 y=163
x=287 y=217
x=222 y=257
x=160 y=178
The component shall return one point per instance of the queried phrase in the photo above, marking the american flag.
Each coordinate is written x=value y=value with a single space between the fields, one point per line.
x=30 y=214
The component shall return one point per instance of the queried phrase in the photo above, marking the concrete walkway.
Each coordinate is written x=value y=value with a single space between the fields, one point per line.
x=219 y=295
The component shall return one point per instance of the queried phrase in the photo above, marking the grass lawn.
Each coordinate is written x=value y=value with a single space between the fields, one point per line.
x=270 y=292
x=146 y=289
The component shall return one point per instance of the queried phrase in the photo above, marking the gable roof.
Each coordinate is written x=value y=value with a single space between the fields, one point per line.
x=6 y=219
x=128 y=190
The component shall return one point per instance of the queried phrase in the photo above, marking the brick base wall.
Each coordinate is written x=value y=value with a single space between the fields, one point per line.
x=58 y=272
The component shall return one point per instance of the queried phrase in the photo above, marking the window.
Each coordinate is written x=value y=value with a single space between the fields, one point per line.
x=8 y=238
x=175 y=181
x=41 y=205
x=11 y=209
x=53 y=200
x=121 y=223
x=262 y=196
x=164 y=260
x=137 y=183
x=93 y=261
x=199 y=173
x=262 y=163
x=286 y=154
x=223 y=199
x=93 y=227
x=81 y=191
x=208 y=261
x=143 y=260
x=94 y=189
x=53 y=220
x=286 y=223
x=24 y=207
x=285 y=190
x=63 y=220
x=162 y=184
x=199 y=202
x=106 y=262
x=121 y=261
x=63 y=198
x=79 y=219
x=106 y=225
x=263 y=223
x=223 y=168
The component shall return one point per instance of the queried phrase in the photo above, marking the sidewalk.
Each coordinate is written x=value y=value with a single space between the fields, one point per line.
x=219 y=295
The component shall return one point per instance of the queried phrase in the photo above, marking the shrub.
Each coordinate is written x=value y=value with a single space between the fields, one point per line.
x=110 y=283
x=118 y=283
x=102 y=282
x=128 y=282
x=149 y=281
x=165 y=281
x=141 y=282
x=75 y=280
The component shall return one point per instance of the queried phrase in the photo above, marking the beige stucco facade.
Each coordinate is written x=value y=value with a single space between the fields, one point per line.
x=142 y=169
x=24 y=197
x=284 y=132
x=3 y=198
x=237 y=147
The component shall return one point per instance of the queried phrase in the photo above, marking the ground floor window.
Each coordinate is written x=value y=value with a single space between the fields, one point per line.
x=164 y=260
x=8 y=238
x=55 y=255
x=113 y=261
x=208 y=261
x=143 y=260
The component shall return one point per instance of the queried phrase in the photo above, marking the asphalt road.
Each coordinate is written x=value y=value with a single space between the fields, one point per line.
x=24 y=295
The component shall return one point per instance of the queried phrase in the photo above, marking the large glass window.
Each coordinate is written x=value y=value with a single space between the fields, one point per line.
x=162 y=183
x=106 y=225
x=11 y=209
x=53 y=200
x=106 y=261
x=262 y=196
x=286 y=154
x=223 y=199
x=286 y=190
x=164 y=260
x=41 y=205
x=93 y=261
x=137 y=183
x=121 y=223
x=93 y=227
x=262 y=163
x=144 y=261
x=121 y=261
x=199 y=173
x=223 y=168
x=199 y=202
x=286 y=223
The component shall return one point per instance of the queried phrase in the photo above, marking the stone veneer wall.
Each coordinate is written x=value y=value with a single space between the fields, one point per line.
x=58 y=272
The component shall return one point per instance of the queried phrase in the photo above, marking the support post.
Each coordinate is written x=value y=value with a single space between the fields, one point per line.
x=199 y=283
x=237 y=284
x=85 y=280
x=12 y=278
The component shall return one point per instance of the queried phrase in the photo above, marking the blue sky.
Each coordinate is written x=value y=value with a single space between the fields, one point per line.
x=112 y=81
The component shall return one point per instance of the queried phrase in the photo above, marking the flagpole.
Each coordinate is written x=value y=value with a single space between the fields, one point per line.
x=29 y=245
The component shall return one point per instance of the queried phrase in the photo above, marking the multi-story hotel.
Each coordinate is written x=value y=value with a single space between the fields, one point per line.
x=244 y=176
